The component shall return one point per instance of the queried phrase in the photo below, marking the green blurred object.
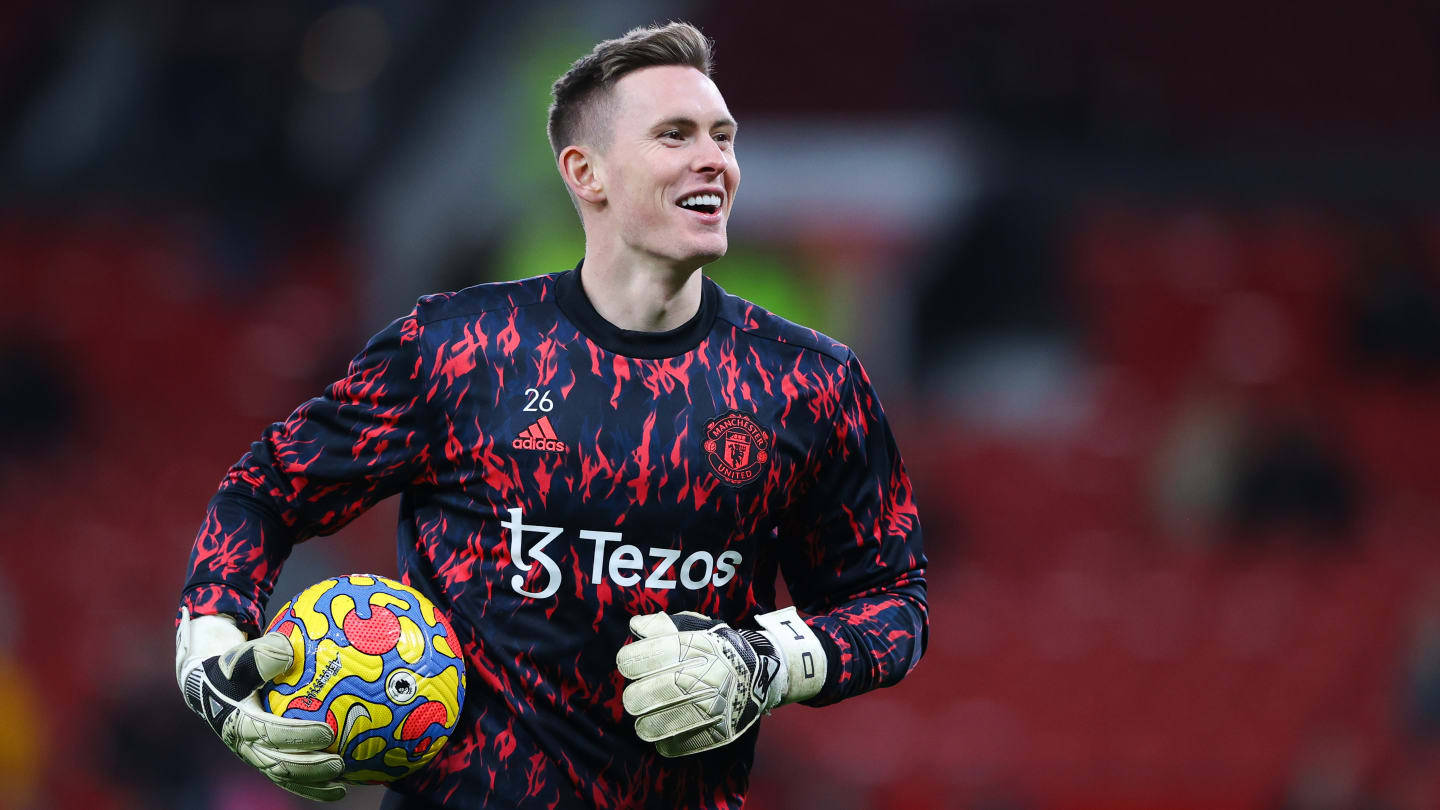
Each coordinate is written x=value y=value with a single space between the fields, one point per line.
x=531 y=166
x=773 y=283
x=540 y=245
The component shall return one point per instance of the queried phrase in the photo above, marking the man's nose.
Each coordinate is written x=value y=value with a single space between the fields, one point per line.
x=710 y=159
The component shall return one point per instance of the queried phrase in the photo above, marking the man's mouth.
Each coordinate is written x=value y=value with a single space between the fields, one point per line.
x=702 y=203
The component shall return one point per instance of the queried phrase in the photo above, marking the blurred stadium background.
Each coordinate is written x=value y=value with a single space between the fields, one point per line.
x=1151 y=290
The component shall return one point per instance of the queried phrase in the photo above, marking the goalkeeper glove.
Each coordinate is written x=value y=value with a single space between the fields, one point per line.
x=219 y=674
x=698 y=683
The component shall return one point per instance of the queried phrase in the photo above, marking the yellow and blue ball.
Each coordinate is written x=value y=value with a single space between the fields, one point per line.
x=376 y=661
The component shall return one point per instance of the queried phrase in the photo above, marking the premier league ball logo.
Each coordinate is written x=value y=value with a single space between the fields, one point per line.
x=737 y=448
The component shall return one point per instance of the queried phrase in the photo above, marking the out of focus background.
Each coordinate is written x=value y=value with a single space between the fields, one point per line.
x=1151 y=292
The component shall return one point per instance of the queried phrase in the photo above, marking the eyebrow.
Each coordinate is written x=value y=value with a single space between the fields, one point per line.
x=681 y=120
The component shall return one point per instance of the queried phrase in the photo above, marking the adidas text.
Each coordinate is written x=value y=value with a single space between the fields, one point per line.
x=528 y=443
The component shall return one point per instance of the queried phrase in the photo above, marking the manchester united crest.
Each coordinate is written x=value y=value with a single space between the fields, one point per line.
x=737 y=448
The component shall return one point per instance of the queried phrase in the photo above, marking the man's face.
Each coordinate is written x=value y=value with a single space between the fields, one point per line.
x=672 y=140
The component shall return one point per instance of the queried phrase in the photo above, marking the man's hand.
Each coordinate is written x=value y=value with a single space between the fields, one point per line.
x=219 y=673
x=699 y=683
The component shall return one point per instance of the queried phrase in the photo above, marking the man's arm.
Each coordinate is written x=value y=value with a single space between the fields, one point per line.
x=852 y=553
x=364 y=439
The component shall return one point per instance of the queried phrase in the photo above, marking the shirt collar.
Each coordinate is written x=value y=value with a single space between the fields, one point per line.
x=570 y=297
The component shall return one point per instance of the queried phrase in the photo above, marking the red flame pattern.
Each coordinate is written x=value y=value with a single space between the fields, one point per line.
x=429 y=410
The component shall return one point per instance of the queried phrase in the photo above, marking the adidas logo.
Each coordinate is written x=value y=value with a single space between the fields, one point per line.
x=539 y=436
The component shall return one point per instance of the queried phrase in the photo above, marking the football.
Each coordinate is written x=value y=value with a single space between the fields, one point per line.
x=376 y=661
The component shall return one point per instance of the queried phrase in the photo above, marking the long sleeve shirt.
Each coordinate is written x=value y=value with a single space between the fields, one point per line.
x=558 y=475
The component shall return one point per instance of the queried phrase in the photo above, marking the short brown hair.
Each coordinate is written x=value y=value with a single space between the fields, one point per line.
x=589 y=79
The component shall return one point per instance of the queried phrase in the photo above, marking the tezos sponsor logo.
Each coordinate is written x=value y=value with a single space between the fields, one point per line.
x=613 y=561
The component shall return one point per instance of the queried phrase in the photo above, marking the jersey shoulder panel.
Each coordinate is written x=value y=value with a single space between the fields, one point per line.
x=487 y=297
x=756 y=321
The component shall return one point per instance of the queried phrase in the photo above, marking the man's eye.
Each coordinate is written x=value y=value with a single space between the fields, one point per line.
x=671 y=133
x=723 y=137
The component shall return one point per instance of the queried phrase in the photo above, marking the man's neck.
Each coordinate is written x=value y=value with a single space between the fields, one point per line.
x=638 y=295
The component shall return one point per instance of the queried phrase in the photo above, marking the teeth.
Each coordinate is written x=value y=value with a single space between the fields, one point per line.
x=701 y=199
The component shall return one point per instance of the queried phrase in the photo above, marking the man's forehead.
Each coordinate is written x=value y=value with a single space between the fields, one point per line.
x=670 y=92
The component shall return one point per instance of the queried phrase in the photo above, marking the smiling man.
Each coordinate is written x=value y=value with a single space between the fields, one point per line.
x=647 y=152
x=602 y=472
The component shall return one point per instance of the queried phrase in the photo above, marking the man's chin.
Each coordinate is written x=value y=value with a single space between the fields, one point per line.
x=699 y=255
x=714 y=248
x=711 y=256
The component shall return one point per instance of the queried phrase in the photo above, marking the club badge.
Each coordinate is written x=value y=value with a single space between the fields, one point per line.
x=737 y=448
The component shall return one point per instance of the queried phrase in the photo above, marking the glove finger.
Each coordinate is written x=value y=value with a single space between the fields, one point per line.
x=693 y=743
x=290 y=766
x=323 y=792
x=651 y=625
x=664 y=690
x=274 y=655
x=648 y=656
x=250 y=665
x=676 y=651
x=675 y=721
x=255 y=725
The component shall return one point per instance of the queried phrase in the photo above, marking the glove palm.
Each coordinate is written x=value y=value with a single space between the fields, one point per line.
x=697 y=682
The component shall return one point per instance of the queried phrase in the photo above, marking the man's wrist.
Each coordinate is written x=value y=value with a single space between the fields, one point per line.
x=801 y=653
x=220 y=597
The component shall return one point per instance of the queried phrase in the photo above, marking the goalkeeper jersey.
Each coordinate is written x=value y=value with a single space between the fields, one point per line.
x=559 y=475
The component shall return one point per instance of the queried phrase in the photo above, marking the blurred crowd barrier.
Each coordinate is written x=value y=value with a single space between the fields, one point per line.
x=1197 y=567
x=1164 y=366
x=1205 y=576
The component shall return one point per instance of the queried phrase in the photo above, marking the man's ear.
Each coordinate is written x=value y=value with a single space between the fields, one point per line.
x=579 y=171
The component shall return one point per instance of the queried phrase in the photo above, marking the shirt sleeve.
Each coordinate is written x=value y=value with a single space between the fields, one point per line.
x=365 y=438
x=854 y=558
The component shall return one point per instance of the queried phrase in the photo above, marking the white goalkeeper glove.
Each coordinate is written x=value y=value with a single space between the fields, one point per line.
x=219 y=673
x=698 y=683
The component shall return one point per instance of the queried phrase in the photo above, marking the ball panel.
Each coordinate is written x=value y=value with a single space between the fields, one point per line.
x=397 y=758
x=445 y=688
x=368 y=749
x=357 y=664
x=303 y=703
x=421 y=718
x=339 y=606
x=304 y=607
x=413 y=644
x=376 y=635
x=401 y=604
x=443 y=645
x=360 y=715
x=448 y=644
x=376 y=661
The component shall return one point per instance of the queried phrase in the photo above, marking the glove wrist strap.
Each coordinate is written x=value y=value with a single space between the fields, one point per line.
x=805 y=664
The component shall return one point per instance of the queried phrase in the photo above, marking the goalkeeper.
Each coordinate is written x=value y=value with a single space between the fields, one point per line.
x=602 y=471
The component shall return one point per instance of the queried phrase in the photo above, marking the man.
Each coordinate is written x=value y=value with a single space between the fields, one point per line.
x=617 y=453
